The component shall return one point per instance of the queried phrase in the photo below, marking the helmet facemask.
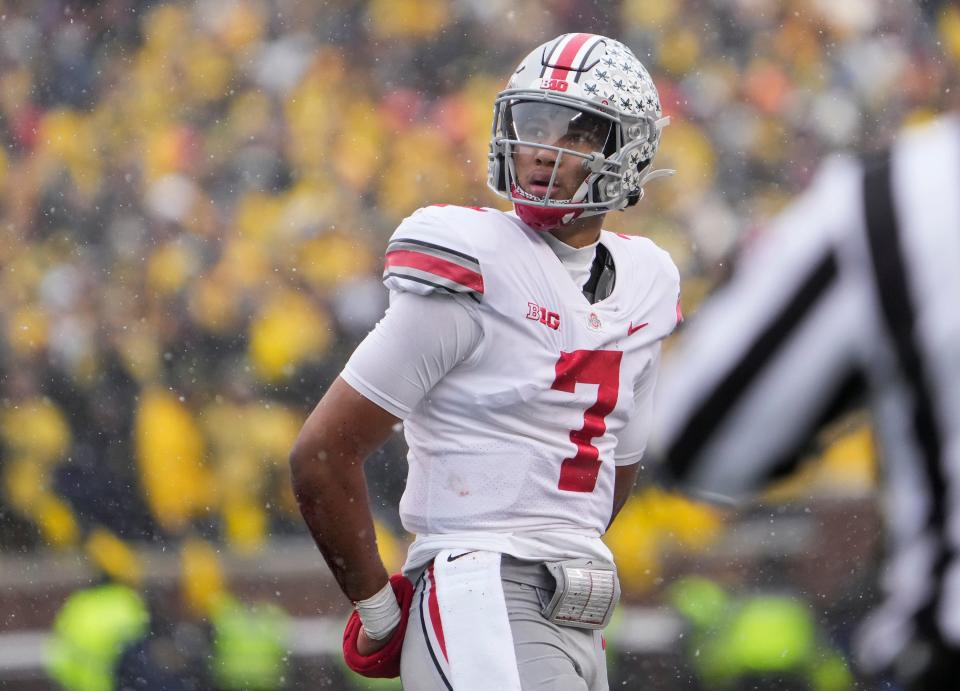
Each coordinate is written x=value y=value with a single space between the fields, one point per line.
x=554 y=134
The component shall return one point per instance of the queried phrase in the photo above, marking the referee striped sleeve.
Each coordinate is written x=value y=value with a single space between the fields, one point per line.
x=711 y=413
x=844 y=395
x=883 y=233
x=410 y=260
x=900 y=316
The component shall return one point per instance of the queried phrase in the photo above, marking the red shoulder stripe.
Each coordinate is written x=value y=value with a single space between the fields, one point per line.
x=439 y=267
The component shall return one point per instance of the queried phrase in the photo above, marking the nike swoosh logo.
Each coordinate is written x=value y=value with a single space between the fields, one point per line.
x=634 y=329
x=454 y=558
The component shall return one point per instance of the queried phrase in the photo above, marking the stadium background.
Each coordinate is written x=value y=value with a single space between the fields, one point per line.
x=194 y=201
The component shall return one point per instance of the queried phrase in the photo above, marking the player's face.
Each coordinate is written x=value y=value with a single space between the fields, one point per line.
x=554 y=125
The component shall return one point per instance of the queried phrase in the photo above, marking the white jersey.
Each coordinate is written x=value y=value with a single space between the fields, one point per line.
x=520 y=437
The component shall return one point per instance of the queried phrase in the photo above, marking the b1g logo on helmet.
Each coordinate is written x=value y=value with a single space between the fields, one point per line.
x=554 y=84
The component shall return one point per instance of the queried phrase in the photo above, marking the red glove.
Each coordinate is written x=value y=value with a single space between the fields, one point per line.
x=386 y=661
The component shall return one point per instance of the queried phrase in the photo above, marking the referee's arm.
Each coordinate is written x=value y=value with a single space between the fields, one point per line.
x=772 y=355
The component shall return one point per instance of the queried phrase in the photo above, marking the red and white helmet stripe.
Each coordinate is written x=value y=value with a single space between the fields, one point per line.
x=569 y=52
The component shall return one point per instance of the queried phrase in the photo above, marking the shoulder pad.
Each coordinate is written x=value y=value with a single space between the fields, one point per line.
x=429 y=253
x=666 y=281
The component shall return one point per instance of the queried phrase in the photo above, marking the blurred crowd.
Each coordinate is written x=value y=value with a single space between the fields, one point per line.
x=195 y=198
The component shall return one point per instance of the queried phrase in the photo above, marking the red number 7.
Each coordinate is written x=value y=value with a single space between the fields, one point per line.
x=600 y=367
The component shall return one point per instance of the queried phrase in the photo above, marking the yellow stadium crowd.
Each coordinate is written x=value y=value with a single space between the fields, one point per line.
x=195 y=197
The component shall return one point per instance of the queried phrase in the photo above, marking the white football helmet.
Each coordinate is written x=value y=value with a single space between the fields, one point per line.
x=600 y=93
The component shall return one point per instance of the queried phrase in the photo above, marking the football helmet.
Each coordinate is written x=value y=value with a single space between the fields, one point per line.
x=583 y=96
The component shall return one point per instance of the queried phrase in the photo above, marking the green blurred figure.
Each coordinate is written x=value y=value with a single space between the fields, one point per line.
x=249 y=645
x=756 y=642
x=101 y=634
x=90 y=633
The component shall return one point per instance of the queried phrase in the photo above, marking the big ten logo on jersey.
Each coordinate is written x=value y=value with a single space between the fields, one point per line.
x=543 y=315
x=554 y=84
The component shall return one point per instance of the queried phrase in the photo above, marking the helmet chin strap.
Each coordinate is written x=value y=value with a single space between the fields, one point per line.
x=541 y=218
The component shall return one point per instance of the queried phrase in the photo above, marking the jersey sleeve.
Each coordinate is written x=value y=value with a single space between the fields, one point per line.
x=669 y=297
x=632 y=442
x=428 y=253
x=398 y=362
x=664 y=290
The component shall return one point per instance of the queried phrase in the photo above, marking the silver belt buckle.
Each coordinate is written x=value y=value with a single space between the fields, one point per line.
x=587 y=591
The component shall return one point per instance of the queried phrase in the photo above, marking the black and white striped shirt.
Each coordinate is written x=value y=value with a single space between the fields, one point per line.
x=854 y=290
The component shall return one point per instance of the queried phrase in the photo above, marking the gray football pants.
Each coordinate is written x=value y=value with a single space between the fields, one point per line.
x=548 y=657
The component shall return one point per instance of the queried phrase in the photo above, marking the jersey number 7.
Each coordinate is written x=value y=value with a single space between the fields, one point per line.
x=600 y=367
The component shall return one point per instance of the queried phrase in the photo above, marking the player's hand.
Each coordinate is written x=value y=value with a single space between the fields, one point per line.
x=368 y=646
x=373 y=658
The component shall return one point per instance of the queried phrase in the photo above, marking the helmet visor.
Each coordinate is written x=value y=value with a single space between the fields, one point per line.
x=541 y=122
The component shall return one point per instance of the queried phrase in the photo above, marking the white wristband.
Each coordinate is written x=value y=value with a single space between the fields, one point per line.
x=379 y=613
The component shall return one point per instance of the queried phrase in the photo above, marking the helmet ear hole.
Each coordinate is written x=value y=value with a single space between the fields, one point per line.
x=595 y=194
x=636 y=196
x=614 y=141
x=501 y=173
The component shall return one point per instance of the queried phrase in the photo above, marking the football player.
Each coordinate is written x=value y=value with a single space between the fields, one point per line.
x=520 y=350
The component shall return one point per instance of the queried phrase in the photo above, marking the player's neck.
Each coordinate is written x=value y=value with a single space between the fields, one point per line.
x=581 y=232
